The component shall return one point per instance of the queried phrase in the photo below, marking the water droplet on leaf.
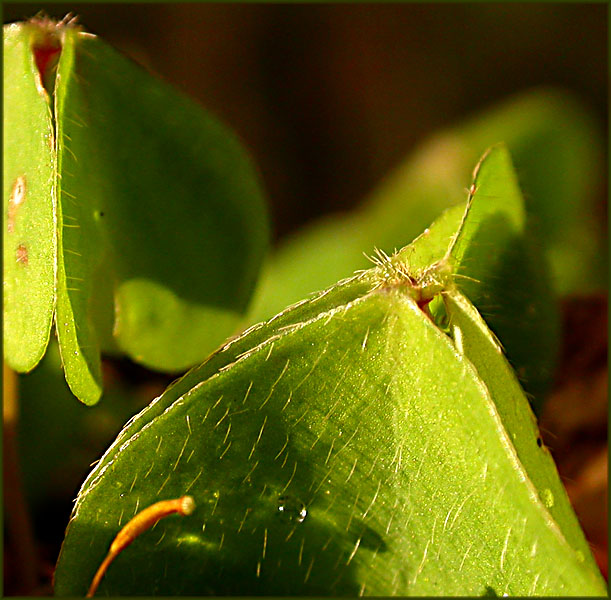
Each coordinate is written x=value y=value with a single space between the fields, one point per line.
x=291 y=509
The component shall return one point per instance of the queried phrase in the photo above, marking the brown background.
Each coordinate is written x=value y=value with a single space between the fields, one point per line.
x=329 y=97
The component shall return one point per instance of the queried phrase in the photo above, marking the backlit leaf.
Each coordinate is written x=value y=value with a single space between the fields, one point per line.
x=152 y=214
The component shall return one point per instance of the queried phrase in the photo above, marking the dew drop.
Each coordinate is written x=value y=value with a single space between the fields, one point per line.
x=292 y=509
x=548 y=498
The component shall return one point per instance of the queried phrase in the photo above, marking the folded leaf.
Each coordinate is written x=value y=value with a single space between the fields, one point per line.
x=357 y=452
x=347 y=446
x=474 y=340
x=157 y=211
x=556 y=147
x=489 y=248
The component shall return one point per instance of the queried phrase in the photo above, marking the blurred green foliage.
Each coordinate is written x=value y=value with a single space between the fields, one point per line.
x=557 y=150
x=58 y=437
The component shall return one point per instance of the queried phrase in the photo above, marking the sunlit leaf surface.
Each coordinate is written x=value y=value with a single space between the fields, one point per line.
x=556 y=147
x=29 y=222
x=348 y=446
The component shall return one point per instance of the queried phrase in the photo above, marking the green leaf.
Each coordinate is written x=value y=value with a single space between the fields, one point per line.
x=160 y=219
x=301 y=312
x=507 y=278
x=474 y=340
x=557 y=149
x=29 y=227
x=489 y=249
x=347 y=446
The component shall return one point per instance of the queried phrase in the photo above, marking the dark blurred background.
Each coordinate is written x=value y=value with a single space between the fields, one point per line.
x=329 y=99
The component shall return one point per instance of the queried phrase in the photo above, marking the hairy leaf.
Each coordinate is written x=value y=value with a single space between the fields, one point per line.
x=154 y=219
x=556 y=147
x=347 y=446
x=29 y=170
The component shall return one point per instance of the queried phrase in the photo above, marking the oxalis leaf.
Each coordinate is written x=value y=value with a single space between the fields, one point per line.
x=146 y=208
x=497 y=266
x=29 y=226
x=556 y=147
x=347 y=446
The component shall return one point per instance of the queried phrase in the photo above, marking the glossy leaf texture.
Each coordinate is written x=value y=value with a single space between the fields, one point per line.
x=472 y=339
x=347 y=446
x=161 y=224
